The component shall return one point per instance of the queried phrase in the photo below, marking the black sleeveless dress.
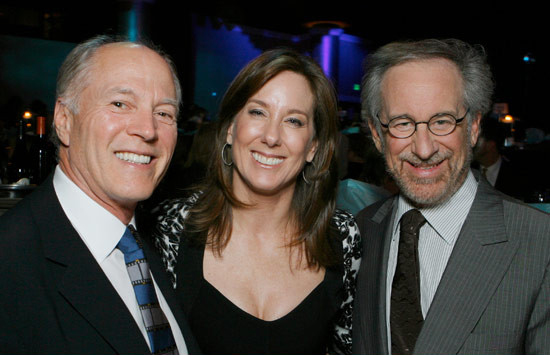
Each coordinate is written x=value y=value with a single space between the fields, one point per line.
x=221 y=327
x=320 y=323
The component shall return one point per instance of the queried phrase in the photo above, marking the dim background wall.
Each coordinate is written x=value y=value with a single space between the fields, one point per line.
x=28 y=66
x=28 y=69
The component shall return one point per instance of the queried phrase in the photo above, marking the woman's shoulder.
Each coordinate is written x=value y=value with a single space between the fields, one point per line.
x=171 y=216
x=175 y=210
x=347 y=227
x=351 y=247
x=342 y=216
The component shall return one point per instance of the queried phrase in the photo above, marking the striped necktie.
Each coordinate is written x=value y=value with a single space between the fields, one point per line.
x=156 y=324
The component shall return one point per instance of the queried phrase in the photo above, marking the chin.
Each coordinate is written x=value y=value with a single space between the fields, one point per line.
x=425 y=194
x=136 y=193
x=426 y=199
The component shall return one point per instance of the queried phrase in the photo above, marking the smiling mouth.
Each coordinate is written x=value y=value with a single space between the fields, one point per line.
x=133 y=158
x=265 y=160
x=425 y=166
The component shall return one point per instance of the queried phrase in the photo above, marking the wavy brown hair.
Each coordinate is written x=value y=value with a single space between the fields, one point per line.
x=313 y=203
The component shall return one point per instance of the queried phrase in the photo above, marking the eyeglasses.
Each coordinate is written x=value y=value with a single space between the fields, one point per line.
x=440 y=124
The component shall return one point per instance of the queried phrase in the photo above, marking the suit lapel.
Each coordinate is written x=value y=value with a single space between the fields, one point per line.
x=477 y=264
x=369 y=330
x=384 y=217
x=82 y=282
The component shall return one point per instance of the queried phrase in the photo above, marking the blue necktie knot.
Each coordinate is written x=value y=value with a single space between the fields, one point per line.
x=129 y=246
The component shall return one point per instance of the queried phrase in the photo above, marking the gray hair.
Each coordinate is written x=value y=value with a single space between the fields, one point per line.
x=74 y=73
x=471 y=62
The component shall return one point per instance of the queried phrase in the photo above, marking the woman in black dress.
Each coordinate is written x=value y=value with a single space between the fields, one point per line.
x=261 y=260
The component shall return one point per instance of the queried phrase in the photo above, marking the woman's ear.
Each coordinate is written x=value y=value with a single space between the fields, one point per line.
x=229 y=138
x=312 y=151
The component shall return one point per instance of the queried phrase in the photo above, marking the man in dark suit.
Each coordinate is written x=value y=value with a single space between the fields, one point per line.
x=67 y=288
x=505 y=175
x=450 y=265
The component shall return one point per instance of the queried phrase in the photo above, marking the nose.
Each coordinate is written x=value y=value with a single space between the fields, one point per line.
x=272 y=133
x=423 y=143
x=144 y=125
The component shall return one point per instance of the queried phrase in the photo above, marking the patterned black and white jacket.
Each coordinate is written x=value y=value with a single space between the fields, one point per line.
x=170 y=224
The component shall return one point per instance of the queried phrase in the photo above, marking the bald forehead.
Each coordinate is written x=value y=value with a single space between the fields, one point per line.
x=127 y=48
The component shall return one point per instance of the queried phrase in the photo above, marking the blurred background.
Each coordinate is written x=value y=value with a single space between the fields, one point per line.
x=211 y=40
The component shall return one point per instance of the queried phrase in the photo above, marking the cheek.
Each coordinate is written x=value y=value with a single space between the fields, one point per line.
x=460 y=145
x=97 y=126
x=168 y=137
x=394 y=148
x=244 y=132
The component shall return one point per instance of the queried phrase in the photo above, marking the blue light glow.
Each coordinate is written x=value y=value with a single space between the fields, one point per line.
x=326 y=49
x=132 y=25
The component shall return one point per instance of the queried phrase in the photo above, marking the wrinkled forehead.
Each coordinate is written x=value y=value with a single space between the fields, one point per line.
x=422 y=84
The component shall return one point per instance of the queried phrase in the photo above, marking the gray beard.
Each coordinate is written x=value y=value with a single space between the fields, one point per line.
x=454 y=183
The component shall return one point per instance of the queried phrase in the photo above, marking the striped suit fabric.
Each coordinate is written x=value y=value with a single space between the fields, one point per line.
x=494 y=295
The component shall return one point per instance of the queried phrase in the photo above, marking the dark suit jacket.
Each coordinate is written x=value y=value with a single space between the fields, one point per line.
x=494 y=296
x=55 y=298
x=514 y=180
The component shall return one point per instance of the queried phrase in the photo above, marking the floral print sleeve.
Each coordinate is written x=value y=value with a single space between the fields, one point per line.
x=169 y=227
x=351 y=243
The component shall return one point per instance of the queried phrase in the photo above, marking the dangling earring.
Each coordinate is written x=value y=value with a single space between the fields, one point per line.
x=304 y=177
x=304 y=174
x=223 y=155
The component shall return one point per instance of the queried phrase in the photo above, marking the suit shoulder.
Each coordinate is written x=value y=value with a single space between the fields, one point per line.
x=514 y=206
x=371 y=210
x=18 y=218
x=20 y=227
x=517 y=212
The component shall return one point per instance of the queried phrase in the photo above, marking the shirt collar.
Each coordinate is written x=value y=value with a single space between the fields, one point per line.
x=447 y=218
x=99 y=229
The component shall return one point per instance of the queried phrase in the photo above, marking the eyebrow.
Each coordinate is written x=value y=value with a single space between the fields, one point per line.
x=121 y=90
x=130 y=92
x=294 y=110
x=172 y=102
x=437 y=114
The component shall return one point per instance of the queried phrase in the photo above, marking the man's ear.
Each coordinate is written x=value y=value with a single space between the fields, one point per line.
x=63 y=119
x=475 y=129
x=375 y=137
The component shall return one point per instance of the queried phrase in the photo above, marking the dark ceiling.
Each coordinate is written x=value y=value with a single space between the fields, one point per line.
x=378 y=21
x=508 y=33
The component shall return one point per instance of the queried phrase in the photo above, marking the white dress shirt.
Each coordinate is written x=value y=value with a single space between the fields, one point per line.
x=435 y=244
x=101 y=231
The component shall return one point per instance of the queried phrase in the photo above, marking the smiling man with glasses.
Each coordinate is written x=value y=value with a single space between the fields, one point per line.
x=451 y=265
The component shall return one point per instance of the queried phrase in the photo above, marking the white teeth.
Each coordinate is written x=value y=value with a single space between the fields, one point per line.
x=133 y=158
x=265 y=160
